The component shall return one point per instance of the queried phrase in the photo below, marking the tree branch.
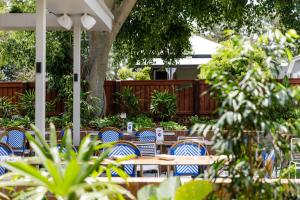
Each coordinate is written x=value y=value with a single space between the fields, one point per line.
x=121 y=13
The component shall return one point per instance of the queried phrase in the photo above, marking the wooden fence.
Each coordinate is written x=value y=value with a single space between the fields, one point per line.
x=192 y=95
x=13 y=89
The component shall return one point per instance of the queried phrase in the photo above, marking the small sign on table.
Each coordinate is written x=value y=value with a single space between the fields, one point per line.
x=159 y=135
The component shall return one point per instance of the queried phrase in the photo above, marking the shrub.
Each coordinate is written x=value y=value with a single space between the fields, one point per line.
x=113 y=121
x=125 y=74
x=171 y=125
x=248 y=99
x=143 y=74
x=163 y=104
x=130 y=101
x=142 y=121
x=199 y=120
x=7 y=108
x=26 y=103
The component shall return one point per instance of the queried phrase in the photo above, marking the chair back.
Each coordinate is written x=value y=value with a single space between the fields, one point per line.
x=147 y=149
x=295 y=149
x=110 y=134
x=192 y=139
x=124 y=148
x=146 y=135
x=5 y=150
x=187 y=148
x=16 y=139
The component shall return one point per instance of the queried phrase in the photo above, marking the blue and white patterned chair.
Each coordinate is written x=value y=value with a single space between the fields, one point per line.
x=5 y=150
x=187 y=148
x=110 y=134
x=124 y=148
x=16 y=139
x=146 y=135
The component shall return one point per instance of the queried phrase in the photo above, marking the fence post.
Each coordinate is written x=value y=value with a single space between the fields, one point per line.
x=25 y=87
x=196 y=90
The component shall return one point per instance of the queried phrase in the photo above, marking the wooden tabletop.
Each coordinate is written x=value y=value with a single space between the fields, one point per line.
x=172 y=160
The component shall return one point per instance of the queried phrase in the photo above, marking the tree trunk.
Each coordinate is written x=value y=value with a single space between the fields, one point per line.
x=100 y=46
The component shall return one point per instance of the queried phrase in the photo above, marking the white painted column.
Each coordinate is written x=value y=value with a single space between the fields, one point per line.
x=76 y=82
x=40 y=79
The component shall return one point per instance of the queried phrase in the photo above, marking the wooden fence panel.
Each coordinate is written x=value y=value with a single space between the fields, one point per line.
x=144 y=90
x=12 y=89
x=192 y=95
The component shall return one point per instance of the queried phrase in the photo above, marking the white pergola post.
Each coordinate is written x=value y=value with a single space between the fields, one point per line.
x=76 y=82
x=40 y=79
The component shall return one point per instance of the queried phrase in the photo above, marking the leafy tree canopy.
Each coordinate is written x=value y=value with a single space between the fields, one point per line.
x=162 y=28
x=159 y=28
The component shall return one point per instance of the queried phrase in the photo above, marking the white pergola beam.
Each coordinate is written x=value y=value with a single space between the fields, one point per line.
x=76 y=81
x=25 y=21
x=102 y=12
x=40 y=79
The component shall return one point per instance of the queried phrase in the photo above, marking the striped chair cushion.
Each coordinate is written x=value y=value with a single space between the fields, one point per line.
x=147 y=149
x=109 y=136
x=187 y=149
x=16 y=139
x=124 y=150
x=4 y=152
x=146 y=136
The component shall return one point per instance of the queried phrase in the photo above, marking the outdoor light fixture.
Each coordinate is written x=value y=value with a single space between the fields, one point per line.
x=88 y=21
x=65 y=21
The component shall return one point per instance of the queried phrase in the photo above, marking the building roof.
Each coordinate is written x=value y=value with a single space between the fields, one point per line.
x=202 y=49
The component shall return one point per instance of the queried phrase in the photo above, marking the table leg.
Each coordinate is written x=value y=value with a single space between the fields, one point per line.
x=141 y=171
x=168 y=170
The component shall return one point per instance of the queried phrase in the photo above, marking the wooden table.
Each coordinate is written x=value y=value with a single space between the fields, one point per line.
x=141 y=161
x=176 y=160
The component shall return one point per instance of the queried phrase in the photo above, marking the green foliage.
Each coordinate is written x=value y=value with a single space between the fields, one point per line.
x=173 y=189
x=194 y=190
x=20 y=6
x=171 y=125
x=222 y=60
x=142 y=121
x=201 y=120
x=113 y=121
x=62 y=121
x=65 y=90
x=163 y=104
x=248 y=99
x=163 y=29
x=125 y=73
x=141 y=74
x=7 y=108
x=26 y=104
x=65 y=174
x=17 y=55
x=130 y=101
